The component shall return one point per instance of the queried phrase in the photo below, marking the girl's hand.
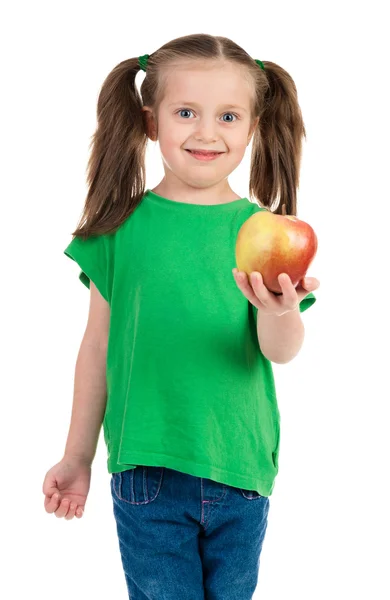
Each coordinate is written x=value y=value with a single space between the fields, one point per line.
x=69 y=480
x=268 y=302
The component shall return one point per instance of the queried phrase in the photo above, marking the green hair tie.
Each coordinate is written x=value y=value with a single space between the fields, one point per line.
x=260 y=64
x=143 y=62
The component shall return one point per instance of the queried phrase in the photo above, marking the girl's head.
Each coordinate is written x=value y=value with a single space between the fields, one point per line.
x=199 y=92
x=204 y=104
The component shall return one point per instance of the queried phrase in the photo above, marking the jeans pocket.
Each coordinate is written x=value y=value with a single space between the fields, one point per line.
x=250 y=494
x=136 y=486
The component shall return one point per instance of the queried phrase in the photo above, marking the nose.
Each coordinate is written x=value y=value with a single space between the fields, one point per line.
x=205 y=131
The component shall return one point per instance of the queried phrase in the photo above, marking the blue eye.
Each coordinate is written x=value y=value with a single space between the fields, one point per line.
x=189 y=111
x=184 y=110
x=230 y=114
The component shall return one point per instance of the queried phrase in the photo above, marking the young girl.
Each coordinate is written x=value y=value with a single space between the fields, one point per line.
x=176 y=357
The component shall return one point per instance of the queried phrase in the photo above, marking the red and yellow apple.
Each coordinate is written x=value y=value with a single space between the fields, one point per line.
x=273 y=244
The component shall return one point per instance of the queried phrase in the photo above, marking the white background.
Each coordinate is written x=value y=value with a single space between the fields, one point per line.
x=328 y=531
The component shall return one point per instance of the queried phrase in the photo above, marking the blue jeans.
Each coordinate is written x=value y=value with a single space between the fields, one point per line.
x=183 y=537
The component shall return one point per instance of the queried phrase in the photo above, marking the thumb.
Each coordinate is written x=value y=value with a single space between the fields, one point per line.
x=49 y=486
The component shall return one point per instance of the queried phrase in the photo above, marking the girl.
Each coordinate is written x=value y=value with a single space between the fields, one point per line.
x=176 y=357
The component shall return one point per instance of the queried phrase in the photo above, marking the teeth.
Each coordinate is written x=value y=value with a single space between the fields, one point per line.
x=200 y=152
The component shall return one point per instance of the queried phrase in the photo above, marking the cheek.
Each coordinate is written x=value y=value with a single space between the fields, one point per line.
x=239 y=142
x=170 y=140
x=171 y=150
x=237 y=150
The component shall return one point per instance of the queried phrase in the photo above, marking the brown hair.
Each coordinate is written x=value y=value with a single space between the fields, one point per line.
x=116 y=168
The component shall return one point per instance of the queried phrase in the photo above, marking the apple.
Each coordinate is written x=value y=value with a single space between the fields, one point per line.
x=272 y=244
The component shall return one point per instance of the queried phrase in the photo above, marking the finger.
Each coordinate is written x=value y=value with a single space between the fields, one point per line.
x=51 y=504
x=71 y=512
x=290 y=296
x=262 y=293
x=310 y=283
x=63 y=508
x=242 y=281
x=79 y=512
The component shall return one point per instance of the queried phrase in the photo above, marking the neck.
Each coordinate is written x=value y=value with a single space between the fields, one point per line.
x=181 y=192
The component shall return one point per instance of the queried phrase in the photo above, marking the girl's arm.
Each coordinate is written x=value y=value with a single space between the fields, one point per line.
x=280 y=337
x=280 y=329
x=90 y=391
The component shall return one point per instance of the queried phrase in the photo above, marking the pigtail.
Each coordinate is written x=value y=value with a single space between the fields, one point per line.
x=277 y=143
x=116 y=167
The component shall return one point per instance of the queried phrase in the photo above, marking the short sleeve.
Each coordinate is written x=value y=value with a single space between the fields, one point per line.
x=307 y=302
x=303 y=305
x=92 y=256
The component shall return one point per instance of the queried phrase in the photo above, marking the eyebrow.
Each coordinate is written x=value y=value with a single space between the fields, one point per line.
x=186 y=102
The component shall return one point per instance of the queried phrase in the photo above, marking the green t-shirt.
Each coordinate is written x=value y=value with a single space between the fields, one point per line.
x=188 y=387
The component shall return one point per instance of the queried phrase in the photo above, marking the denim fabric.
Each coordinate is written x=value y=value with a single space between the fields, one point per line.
x=183 y=537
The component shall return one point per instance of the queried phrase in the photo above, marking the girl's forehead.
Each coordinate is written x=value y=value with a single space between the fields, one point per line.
x=204 y=86
x=224 y=72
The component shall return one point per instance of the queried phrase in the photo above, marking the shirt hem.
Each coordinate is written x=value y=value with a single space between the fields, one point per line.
x=128 y=460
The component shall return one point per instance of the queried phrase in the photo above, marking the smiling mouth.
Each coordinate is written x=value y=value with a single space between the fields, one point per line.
x=203 y=152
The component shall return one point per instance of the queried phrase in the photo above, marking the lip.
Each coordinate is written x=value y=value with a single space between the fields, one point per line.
x=204 y=155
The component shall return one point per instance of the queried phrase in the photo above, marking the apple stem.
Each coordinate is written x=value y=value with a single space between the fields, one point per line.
x=284 y=210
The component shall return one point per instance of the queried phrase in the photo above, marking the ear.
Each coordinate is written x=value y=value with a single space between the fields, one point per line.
x=150 y=123
x=252 y=129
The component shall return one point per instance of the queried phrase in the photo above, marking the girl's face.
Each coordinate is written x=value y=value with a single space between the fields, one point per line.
x=205 y=107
